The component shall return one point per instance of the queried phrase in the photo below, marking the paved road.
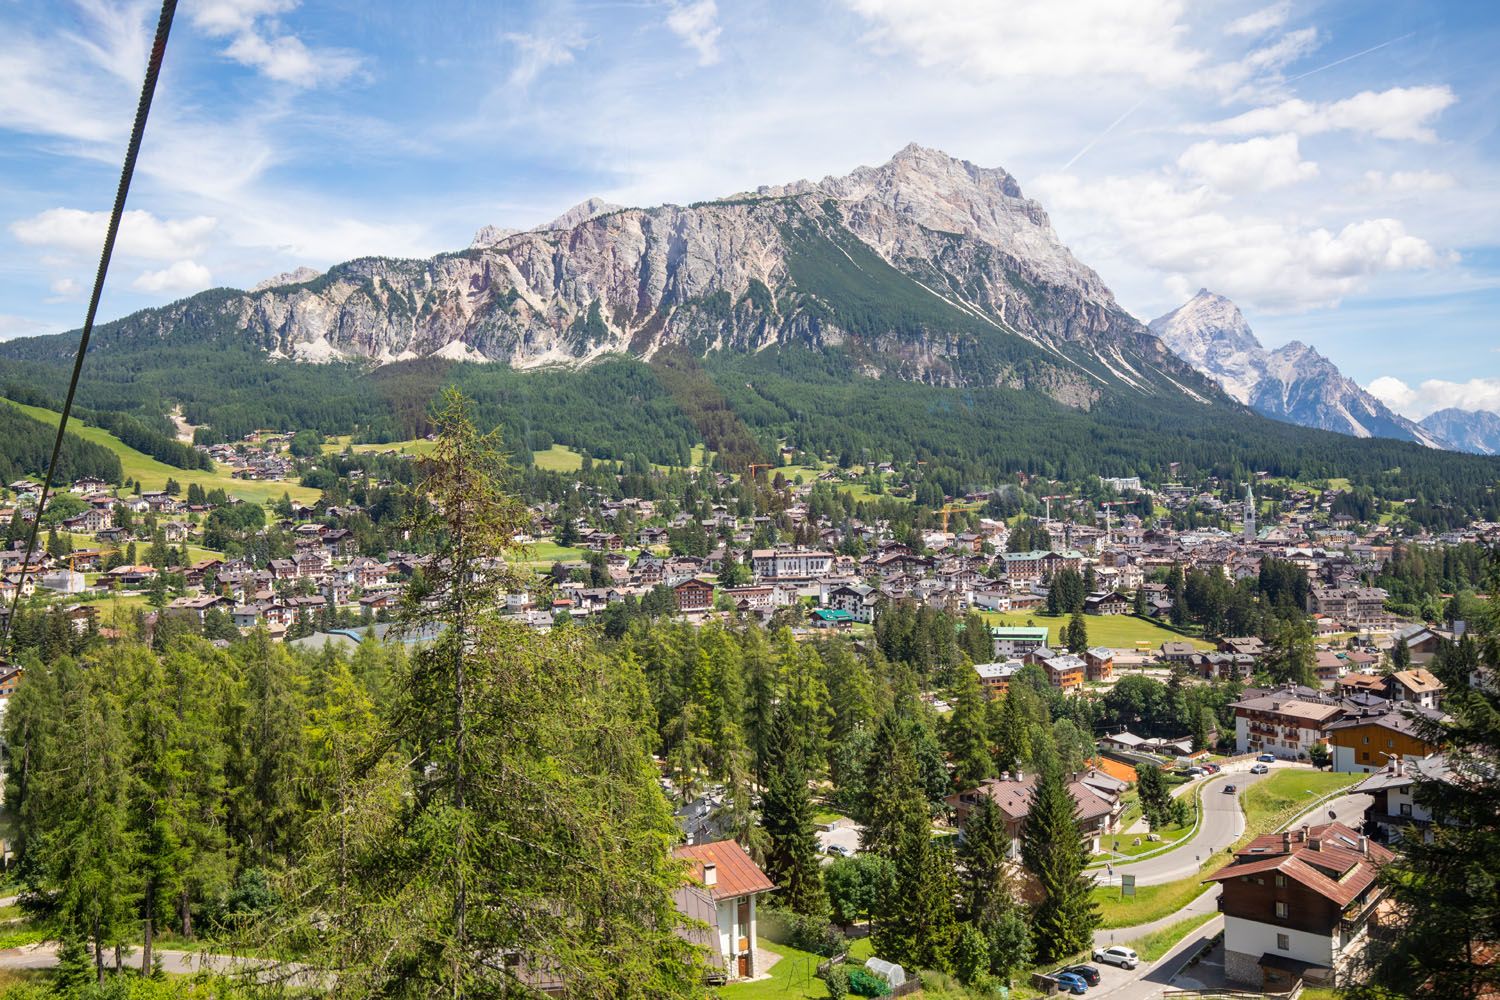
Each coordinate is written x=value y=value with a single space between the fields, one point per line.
x=44 y=956
x=1223 y=823
x=1149 y=980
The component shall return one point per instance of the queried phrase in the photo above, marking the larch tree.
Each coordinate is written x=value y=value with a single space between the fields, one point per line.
x=524 y=837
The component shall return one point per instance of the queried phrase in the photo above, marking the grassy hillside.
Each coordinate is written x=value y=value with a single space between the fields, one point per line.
x=153 y=475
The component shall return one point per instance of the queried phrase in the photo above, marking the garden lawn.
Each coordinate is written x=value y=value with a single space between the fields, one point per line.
x=1114 y=631
x=793 y=976
x=153 y=475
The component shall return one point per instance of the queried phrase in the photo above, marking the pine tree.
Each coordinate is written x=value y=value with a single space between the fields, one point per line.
x=1053 y=852
x=1013 y=747
x=917 y=926
x=967 y=733
x=1078 y=634
x=792 y=844
x=985 y=884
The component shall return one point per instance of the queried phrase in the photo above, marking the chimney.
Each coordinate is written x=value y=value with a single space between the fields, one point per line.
x=1286 y=840
x=710 y=874
x=1005 y=776
x=1316 y=843
x=1019 y=775
x=1304 y=832
x=1364 y=845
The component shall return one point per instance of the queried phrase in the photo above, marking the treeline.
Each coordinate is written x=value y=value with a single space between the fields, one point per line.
x=162 y=447
x=26 y=448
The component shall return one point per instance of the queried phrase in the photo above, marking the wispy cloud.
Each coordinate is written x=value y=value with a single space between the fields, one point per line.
x=697 y=24
x=257 y=40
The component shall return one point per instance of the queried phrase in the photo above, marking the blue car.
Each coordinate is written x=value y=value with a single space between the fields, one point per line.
x=1069 y=982
x=1267 y=758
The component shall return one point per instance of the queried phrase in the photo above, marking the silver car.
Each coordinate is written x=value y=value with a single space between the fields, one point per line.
x=1125 y=958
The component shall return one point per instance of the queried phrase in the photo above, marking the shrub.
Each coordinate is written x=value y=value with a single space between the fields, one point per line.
x=867 y=984
x=814 y=934
x=837 y=978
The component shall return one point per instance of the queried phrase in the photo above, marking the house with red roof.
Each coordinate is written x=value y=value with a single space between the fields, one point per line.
x=1298 y=906
x=734 y=881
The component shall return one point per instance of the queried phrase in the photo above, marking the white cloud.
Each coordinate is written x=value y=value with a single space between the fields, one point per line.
x=1258 y=164
x=1397 y=113
x=1261 y=21
x=1189 y=239
x=181 y=277
x=256 y=41
x=1039 y=38
x=1436 y=394
x=141 y=233
x=538 y=53
x=19 y=326
x=1408 y=181
x=228 y=17
x=697 y=24
x=65 y=287
x=287 y=59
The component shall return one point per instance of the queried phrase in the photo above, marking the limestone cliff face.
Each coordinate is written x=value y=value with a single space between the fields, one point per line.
x=926 y=267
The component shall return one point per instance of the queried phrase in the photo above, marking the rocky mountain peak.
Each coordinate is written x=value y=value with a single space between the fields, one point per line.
x=1293 y=383
x=301 y=275
x=1209 y=332
x=580 y=213
x=489 y=236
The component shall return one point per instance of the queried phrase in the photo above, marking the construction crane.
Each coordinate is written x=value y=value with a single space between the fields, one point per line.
x=1048 y=501
x=949 y=509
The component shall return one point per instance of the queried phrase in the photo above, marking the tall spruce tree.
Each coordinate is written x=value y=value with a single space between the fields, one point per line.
x=1053 y=852
x=967 y=733
x=792 y=844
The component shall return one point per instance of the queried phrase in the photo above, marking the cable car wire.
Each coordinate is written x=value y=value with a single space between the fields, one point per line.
x=127 y=171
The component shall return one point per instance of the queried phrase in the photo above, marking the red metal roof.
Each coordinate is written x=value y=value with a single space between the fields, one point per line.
x=735 y=873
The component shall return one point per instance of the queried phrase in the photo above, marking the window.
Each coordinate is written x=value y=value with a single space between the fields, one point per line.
x=1280 y=909
x=1406 y=808
x=1367 y=739
x=1283 y=942
x=1280 y=881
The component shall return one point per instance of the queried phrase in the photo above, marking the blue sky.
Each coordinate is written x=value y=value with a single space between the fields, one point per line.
x=1330 y=166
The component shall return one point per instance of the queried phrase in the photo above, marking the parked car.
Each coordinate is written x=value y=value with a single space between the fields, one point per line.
x=838 y=851
x=1087 y=973
x=1229 y=789
x=1195 y=772
x=1267 y=758
x=1210 y=768
x=1069 y=983
x=1259 y=769
x=1118 y=954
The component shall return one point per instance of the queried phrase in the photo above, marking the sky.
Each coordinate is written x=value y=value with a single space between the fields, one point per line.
x=1333 y=166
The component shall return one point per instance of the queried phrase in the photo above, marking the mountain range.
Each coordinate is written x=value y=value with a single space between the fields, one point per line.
x=923 y=310
x=925 y=268
x=1296 y=384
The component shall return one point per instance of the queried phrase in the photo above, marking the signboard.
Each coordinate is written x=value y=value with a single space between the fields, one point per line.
x=1127 y=885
